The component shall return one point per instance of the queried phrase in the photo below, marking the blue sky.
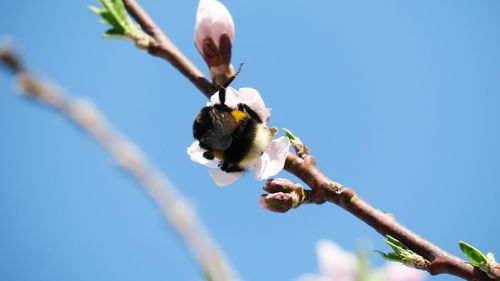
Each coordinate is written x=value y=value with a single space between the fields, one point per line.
x=397 y=99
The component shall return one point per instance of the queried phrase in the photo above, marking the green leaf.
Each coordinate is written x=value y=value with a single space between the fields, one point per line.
x=113 y=33
x=106 y=16
x=293 y=138
x=390 y=256
x=120 y=9
x=396 y=244
x=403 y=254
x=123 y=16
x=94 y=9
x=399 y=248
x=474 y=255
x=115 y=14
x=289 y=134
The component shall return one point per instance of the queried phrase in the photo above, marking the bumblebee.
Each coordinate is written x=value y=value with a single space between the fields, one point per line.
x=236 y=136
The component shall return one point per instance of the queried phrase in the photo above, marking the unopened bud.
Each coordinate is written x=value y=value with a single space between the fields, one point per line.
x=283 y=195
x=214 y=33
x=279 y=185
x=492 y=268
x=277 y=202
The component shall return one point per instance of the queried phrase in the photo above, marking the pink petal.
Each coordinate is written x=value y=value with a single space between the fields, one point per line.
x=232 y=98
x=222 y=178
x=212 y=20
x=311 y=277
x=397 y=272
x=195 y=152
x=273 y=159
x=335 y=263
x=252 y=98
x=260 y=166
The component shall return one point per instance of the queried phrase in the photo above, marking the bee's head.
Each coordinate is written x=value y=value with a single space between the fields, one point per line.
x=213 y=127
x=202 y=124
x=214 y=124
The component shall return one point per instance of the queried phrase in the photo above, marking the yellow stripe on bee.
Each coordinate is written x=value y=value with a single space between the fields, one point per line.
x=238 y=115
x=219 y=154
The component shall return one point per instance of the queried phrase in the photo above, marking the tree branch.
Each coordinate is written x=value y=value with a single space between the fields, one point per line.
x=164 y=48
x=323 y=189
x=177 y=211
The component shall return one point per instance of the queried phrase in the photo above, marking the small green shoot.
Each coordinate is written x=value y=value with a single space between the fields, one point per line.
x=115 y=14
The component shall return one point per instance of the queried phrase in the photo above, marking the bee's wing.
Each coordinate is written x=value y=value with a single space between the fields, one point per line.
x=217 y=142
x=224 y=122
x=224 y=125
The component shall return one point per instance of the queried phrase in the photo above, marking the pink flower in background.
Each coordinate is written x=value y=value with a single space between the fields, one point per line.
x=336 y=264
x=272 y=160
x=394 y=271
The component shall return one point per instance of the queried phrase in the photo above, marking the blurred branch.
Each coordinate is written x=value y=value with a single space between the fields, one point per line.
x=178 y=212
x=322 y=188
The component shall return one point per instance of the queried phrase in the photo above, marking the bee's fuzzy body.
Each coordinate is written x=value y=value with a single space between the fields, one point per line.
x=236 y=136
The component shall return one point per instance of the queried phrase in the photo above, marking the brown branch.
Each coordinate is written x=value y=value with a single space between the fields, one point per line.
x=177 y=211
x=164 y=48
x=10 y=61
x=323 y=189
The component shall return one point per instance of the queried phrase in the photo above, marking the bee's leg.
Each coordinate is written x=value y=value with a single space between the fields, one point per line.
x=208 y=155
x=231 y=168
x=251 y=113
x=222 y=88
x=231 y=79
x=222 y=95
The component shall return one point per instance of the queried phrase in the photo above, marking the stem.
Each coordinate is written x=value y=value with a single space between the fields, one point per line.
x=164 y=48
x=177 y=211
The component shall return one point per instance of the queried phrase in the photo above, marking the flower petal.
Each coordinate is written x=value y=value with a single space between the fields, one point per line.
x=232 y=98
x=212 y=20
x=273 y=159
x=260 y=166
x=252 y=98
x=335 y=263
x=393 y=271
x=222 y=178
x=312 y=277
x=195 y=152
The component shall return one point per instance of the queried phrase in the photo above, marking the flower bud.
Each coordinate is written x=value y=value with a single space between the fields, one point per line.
x=279 y=185
x=278 y=202
x=283 y=195
x=494 y=271
x=214 y=33
x=492 y=268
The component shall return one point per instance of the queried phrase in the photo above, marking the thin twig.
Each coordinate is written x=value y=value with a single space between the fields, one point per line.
x=178 y=212
x=164 y=48
x=323 y=189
